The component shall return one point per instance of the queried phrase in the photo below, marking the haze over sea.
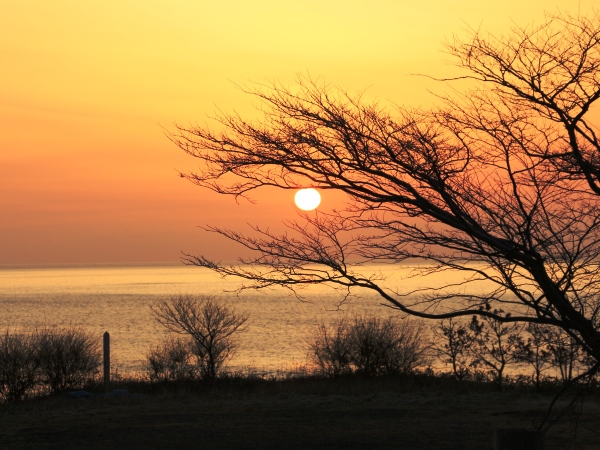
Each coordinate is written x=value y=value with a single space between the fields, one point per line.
x=117 y=299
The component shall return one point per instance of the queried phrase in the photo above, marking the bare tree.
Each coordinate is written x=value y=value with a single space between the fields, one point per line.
x=498 y=185
x=454 y=341
x=494 y=345
x=535 y=351
x=211 y=326
x=546 y=80
x=565 y=354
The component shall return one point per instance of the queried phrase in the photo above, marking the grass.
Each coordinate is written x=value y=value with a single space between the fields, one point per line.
x=409 y=412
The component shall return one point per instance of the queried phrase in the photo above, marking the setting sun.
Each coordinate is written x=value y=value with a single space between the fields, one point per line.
x=307 y=199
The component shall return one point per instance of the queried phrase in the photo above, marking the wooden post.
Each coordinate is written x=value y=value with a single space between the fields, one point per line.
x=106 y=361
x=518 y=439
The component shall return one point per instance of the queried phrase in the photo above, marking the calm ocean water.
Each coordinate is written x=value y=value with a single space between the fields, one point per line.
x=118 y=300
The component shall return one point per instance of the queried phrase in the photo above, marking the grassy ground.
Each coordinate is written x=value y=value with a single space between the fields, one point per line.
x=353 y=413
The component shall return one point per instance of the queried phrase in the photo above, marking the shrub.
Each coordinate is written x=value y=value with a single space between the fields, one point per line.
x=330 y=350
x=19 y=365
x=172 y=360
x=57 y=359
x=211 y=326
x=386 y=346
x=370 y=346
x=68 y=357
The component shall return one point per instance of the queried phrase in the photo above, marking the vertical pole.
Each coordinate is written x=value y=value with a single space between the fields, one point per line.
x=106 y=361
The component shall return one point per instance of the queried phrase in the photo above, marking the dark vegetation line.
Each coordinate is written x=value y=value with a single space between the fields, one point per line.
x=205 y=333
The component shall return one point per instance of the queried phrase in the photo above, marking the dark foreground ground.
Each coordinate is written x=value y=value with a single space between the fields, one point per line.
x=300 y=414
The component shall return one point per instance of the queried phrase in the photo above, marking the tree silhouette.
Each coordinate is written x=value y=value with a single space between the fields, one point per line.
x=535 y=351
x=494 y=345
x=454 y=341
x=211 y=325
x=500 y=184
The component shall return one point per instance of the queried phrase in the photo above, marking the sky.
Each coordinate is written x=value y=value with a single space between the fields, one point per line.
x=88 y=89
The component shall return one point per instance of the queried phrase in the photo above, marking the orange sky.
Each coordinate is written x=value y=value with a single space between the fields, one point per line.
x=86 y=173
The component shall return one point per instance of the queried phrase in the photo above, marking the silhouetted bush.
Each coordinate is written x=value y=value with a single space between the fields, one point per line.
x=385 y=346
x=68 y=357
x=211 y=325
x=369 y=346
x=330 y=350
x=19 y=365
x=172 y=360
x=46 y=360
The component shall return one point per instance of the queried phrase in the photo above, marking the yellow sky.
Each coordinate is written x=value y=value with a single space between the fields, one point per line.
x=86 y=173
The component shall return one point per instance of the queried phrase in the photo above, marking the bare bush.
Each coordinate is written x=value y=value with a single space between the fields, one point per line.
x=211 y=325
x=172 y=360
x=385 y=346
x=330 y=350
x=370 y=346
x=19 y=364
x=67 y=357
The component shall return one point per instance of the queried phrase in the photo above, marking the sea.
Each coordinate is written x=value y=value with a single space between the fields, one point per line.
x=118 y=300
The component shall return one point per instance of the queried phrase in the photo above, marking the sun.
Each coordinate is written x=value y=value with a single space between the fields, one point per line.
x=307 y=199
